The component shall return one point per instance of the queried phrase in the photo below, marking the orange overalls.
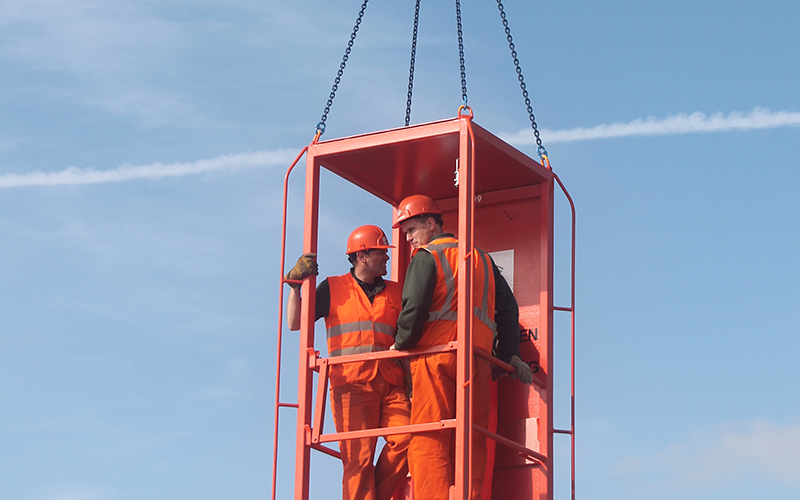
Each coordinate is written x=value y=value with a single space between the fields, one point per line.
x=367 y=394
x=430 y=454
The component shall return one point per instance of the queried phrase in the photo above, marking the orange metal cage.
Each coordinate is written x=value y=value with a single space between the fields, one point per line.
x=503 y=199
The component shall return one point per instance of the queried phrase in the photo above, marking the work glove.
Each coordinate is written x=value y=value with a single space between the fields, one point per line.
x=524 y=373
x=306 y=266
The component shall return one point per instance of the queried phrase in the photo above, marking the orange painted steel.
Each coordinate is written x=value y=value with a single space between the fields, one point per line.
x=388 y=431
x=373 y=356
x=278 y=403
x=326 y=450
x=530 y=454
x=464 y=353
x=571 y=310
x=503 y=200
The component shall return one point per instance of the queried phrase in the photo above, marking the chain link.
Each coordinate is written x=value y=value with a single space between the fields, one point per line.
x=320 y=129
x=411 y=67
x=541 y=150
x=461 y=55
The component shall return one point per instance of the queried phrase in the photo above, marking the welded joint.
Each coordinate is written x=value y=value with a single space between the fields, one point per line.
x=312 y=359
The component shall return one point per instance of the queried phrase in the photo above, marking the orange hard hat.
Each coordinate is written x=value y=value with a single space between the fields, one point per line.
x=416 y=204
x=367 y=238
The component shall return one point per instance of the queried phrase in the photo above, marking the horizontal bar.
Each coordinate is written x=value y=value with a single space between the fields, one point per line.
x=315 y=362
x=388 y=431
x=567 y=309
x=288 y=405
x=372 y=356
x=327 y=451
x=537 y=380
x=559 y=431
x=491 y=359
x=386 y=138
x=530 y=454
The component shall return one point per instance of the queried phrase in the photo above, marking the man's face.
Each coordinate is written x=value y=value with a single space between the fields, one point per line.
x=418 y=231
x=375 y=261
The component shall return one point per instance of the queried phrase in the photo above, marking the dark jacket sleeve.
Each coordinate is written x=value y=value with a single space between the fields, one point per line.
x=322 y=306
x=506 y=316
x=417 y=299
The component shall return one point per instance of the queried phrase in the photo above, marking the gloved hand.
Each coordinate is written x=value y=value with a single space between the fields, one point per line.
x=524 y=373
x=306 y=266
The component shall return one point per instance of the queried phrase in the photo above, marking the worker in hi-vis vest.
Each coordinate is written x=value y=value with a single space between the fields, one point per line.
x=429 y=318
x=360 y=310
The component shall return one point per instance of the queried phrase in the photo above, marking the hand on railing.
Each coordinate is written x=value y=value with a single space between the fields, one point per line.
x=306 y=266
x=523 y=371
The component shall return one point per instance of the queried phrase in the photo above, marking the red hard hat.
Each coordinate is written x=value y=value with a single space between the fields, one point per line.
x=367 y=238
x=414 y=205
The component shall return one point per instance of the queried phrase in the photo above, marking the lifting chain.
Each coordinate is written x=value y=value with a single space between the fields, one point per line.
x=461 y=55
x=320 y=129
x=411 y=67
x=541 y=150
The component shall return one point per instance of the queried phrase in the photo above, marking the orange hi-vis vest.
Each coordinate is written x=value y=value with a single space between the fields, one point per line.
x=442 y=324
x=356 y=326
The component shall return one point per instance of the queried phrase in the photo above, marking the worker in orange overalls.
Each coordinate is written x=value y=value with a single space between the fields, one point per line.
x=360 y=310
x=428 y=318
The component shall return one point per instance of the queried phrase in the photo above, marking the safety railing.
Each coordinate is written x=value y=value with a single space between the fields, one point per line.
x=322 y=365
x=571 y=311
x=279 y=350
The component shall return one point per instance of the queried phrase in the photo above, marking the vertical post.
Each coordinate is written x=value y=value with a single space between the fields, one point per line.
x=305 y=376
x=546 y=310
x=466 y=200
x=279 y=350
x=572 y=335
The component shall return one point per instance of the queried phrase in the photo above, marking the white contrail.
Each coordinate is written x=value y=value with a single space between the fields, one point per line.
x=672 y=124
x=74 y=175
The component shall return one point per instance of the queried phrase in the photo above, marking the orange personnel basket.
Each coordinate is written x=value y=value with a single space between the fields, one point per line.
x=497 y=199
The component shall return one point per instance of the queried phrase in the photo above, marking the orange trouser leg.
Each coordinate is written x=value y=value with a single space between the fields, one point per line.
x=430 y=455
x=491 y=445
x=354 y=408
x=481 y=410
x=367 y=406
x=392 y=466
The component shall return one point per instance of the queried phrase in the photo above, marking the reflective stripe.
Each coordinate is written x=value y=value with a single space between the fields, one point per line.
x=449 y=281
x=359 y=349
x=485 y=261
x=384 y=329
x=447 y=314
x=482 y=313
x=453 y=316
x=484 y=318
x=360 y=326
x=356 y=326
x=442 y=246
x=442 y=315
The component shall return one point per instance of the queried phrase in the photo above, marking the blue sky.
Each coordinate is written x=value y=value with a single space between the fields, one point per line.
x=142 y=153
